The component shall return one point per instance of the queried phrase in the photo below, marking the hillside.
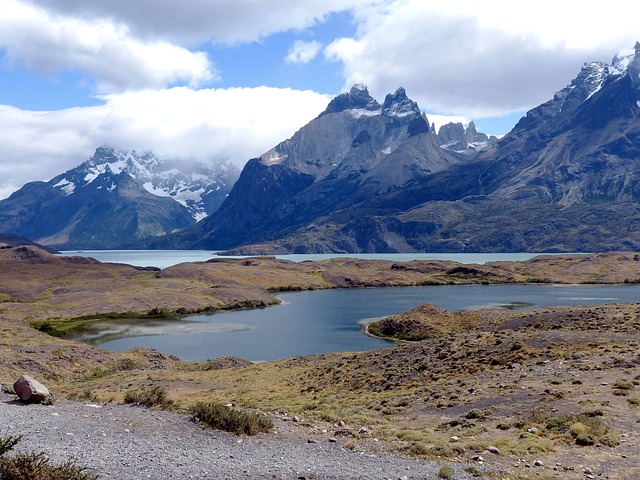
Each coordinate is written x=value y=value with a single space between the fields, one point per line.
x=548 y=393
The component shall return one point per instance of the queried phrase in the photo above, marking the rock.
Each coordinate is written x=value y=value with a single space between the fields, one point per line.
x=538 y=463
x=494 y=450
x=30 y=390
x=587 y=471
x=363 y=431
x=454 y=439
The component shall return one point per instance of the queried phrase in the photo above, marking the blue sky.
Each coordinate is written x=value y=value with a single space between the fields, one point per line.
x=226 y=80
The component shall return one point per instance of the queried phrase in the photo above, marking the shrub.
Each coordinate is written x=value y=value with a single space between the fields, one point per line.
x=419 y=448
x=7 y=443
x=154 y=397
x=622 y=384
x=35 y=466
x=221 y=417
x=446 y=472
x=578 y=429
x=610 y=440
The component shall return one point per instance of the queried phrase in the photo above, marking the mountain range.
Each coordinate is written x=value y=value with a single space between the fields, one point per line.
x=116 y=198
x=366 y=176
x=370 y=177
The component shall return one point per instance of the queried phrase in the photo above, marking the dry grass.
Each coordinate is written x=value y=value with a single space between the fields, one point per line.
x=490 y=378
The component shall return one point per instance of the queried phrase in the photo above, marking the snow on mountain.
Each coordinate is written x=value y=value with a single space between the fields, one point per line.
x=187 y=182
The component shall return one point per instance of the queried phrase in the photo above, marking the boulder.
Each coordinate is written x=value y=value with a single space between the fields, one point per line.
x=32 y=391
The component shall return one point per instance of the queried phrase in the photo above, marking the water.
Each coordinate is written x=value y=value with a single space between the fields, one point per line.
x=328 y=320
x=166 y=258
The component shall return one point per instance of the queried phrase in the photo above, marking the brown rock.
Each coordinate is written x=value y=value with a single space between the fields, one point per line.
x=32 y=391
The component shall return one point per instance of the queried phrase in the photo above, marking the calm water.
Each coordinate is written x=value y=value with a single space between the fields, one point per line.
x=328 y=320
x=166 y=258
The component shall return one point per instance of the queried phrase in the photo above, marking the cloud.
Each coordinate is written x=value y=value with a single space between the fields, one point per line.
x=195 y=21
x=106 y=51
x=209 y=124
x=303 y=52
x=478 y=59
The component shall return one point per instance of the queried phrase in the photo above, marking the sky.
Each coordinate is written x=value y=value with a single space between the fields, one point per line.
x=226 y=80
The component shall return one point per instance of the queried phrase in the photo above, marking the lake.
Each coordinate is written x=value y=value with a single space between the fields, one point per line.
x=166 y=258
x=327 y=320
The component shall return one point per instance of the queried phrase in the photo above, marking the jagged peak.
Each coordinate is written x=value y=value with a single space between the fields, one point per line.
x=399 y=105
x=357 y=98
x=622 y=60
x=634 y=65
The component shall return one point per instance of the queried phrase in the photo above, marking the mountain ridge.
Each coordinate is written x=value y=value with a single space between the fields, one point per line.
x=115 y=198
x=564 y=179
x=355 y=149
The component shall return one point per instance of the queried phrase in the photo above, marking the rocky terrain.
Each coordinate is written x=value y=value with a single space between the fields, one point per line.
x=541 y=394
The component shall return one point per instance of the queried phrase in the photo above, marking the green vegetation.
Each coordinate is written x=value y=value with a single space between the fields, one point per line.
x=222 y=417
x=154 y=397
x=622 y=384
x=586 y=428
x=446 y=472
x=35 y=466
x=59 y=327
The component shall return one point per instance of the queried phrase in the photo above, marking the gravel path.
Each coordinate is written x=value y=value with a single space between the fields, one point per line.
x=127 y=442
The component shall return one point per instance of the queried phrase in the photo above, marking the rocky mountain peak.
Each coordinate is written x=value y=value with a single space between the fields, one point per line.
x=633 y=67
x=624 y=59
x=399 y=105
x=454 y=137
x=357 y=98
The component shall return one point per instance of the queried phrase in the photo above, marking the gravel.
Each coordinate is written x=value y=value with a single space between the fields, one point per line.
x=129 y=442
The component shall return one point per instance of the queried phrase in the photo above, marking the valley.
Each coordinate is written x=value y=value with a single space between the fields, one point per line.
x=514 y=380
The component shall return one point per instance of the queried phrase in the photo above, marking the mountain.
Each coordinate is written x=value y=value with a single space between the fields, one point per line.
x=115 y=198
x=370 y=177
x=454 y=137
x=357 y=149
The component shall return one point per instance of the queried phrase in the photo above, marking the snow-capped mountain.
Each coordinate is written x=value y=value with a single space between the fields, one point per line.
x=198 y=187
x=115 y=199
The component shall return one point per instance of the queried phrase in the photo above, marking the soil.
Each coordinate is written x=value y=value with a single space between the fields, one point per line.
x=466 y=385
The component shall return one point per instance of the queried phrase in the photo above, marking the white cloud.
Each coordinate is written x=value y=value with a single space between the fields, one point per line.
x=105 y=50
x=303 y=52
x=195 y=21
x=207 y=124
x=479 y=59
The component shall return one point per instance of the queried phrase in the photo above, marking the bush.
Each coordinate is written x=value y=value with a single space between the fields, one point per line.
x=35 y=466
x=154 y=397
x=634 y=402
x=446 y=472
x=7 y=443
x=622 y=384
x=221 y=417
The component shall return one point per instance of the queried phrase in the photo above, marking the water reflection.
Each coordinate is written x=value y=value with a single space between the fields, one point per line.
x=326 y=321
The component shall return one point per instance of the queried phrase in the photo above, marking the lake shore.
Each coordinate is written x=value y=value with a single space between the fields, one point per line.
x=515 y=381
